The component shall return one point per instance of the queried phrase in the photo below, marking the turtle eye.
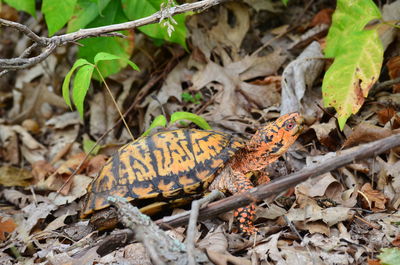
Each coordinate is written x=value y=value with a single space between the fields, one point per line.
x=289 y=125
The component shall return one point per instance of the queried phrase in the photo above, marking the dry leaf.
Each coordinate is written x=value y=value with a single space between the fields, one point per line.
x=41 y=170
x=323 y=132
x=322 y=17
x=12 y=176
x=9 y=144
x=385 y=115
x=7 y=226
x=393 y=66
x=226 y=258
x=365 y=133
x=325 y=184
x=373 y=199
x=299 y=75
x=95 y=165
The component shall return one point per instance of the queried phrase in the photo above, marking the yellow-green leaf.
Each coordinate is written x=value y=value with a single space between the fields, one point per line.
x=159 y=121
x=65 y=86
x=350 y=16
x=355 y=69
x=182 y=115
x=81 y=86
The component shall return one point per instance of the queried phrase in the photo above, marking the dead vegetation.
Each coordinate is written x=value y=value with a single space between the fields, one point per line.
x=246 y=60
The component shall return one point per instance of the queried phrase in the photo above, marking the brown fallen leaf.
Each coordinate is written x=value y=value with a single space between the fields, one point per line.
x=365 y=133
x=7 y=226
x=95 y=164
x=374 y=261
x=322 y=17
x=63 y=173
x=226 y=258
x=372 y=199
x=386 y=114
x=396 y=241
x=41 y=170
x=12 y=176
x=393 y=66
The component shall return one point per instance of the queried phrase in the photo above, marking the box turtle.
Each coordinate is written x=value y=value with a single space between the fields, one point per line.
x=170 y=166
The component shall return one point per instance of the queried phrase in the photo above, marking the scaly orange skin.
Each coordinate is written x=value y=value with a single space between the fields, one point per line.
x=265 y=147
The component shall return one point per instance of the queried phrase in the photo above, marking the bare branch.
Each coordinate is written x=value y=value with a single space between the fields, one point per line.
x=111 y=30
x=24 y=29
x=20 y=63
x=23 y=55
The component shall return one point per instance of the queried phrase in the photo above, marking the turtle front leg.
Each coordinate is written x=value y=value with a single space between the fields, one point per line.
x=244 y=215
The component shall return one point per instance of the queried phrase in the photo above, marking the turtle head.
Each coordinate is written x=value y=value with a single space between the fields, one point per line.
x=275 y=138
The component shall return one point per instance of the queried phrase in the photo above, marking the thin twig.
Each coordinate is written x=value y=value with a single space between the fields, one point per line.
x=382 y=86
x=24 y=29
x=21 y=63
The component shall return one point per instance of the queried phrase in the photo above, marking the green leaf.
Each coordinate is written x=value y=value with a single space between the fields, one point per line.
x=349 y=16
x=135 y=9
x=159 y=121
x=65 y=86
x=57 y=13
x=182 y=115
x=23 y=5
x=104 y=56
x=88 y=145
x=123 y=48
x=389 y=256
x=85 y=12
x=285 y=2
x=81 y=86
x=354 y=71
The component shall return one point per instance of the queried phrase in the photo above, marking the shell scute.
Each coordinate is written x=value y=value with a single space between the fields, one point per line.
x=164 y=165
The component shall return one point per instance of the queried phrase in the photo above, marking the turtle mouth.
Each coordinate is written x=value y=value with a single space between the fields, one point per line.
x=300 y=126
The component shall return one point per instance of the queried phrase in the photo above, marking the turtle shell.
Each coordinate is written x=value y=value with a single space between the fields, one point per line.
x=166 y=165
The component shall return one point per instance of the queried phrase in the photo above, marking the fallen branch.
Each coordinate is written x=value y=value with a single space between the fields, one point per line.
x=276 y=186
x=49 y=44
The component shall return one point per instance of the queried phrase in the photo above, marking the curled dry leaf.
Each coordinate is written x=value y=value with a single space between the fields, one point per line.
x=372 y=199
x=393 y=66
x=365 y=133
x=41 y=170
x=103 y=115
x=61 y=175
x=76 y=189
x=323 y=132
x=9 y=144
x=386 y=114
x=95 y=164
x=269 y=250
x=134 y=254
x=298 y=76
x=12 y=176
x=64 y=120
x=7 y=226
x=322 y=17
x=325 y=184
x=226 y=258
x=29 y=217
x=215 y=241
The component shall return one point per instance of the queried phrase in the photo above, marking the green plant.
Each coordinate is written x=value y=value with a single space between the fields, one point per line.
x=84 y=71
x=358 y=55
x=188 y=97
x=389 y=256
x=161 y=121
x=80 y=14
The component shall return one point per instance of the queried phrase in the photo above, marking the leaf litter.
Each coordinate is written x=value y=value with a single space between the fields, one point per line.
x=247 y=69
